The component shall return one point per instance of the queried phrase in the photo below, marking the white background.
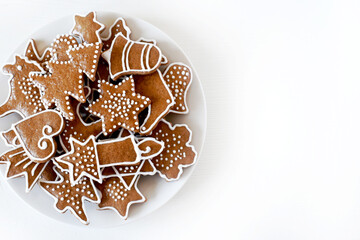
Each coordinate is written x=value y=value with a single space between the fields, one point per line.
x=282 y=82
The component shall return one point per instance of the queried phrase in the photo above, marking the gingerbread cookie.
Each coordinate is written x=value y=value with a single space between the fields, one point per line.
x=85 y=57
x=78 y=129
x=82 y=160
x=88 y=28
x=154 y=87
x=119 y=106
x=71 y=197
x=115 y=196
x=10 y=138
x=118 y=26
x=177 y=153
x=85 y=159
x=49 y=174
x=19 y=164
x=126 y=57
x=178 y=77
x=124 y=151
x=57 y=89
x=32 y=53
x=38 y=140
x=61 y=45
x=24 y=97
x=129 y=173
x=102 y=73
x=106 y=125
x=164 y=59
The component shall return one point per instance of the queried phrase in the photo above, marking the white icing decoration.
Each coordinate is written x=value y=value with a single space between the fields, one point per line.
x=185 y=109
x=25 y=174
x=107 y=56
x=59 y=180
x=46 y=136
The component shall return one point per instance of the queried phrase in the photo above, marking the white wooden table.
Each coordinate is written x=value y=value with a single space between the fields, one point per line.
x=282 y=82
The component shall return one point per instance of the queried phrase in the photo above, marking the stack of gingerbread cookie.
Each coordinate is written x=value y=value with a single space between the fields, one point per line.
x=94 y=113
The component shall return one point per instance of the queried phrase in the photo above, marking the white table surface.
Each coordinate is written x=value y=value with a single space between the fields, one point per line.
x=282 y=82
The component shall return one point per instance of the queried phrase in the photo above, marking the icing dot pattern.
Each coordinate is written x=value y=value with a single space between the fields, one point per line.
x=116 y=196
x=83 y=160
x=119 y=106
x=72 y=197
x=32 y=54
x=61 y=45
x=177 y=152
x=57 y=89
x=24 y=95
x=119 y=26
x=86 y=57
x=178 y=77
x=73 y=65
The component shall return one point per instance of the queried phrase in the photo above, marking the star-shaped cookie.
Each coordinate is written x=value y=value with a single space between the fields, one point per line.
x=117 y=197
x=177 y=152
x=71 y=197
x=24 y=96
x=19 y=164
x=88 y=27
x=119 y=106
x=82 y=160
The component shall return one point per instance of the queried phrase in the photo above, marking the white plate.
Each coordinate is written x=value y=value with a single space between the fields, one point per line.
x=155 y=189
